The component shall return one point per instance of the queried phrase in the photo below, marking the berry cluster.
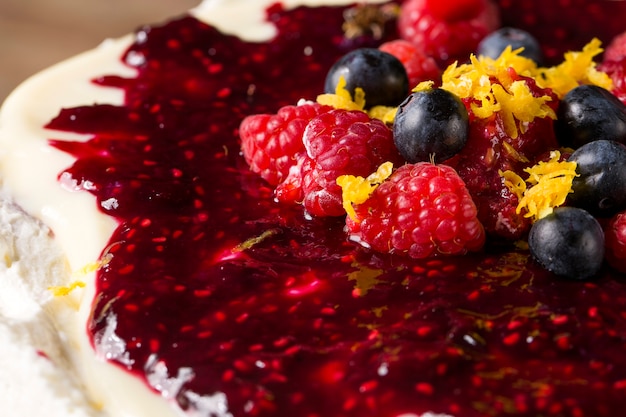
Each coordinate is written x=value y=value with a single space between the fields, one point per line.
x=459 y=138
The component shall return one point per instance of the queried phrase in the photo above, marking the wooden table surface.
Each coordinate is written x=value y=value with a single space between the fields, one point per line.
x=35 y=34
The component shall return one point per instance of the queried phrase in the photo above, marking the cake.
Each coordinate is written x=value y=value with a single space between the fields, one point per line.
x=157 y=275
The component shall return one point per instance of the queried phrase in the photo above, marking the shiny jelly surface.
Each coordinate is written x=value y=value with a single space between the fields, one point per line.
x=218 y=297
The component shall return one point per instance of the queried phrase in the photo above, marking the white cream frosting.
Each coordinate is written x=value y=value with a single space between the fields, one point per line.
x=50 y=229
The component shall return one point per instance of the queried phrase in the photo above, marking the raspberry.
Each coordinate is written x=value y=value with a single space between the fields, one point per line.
x=617 y=71
x=419 y=67
x=339 y=142
x=421 y=210
x=615 y=242
x=271 y=143
x=614 y=64
x=489 y=150
x=447 y=30
x=616 y=50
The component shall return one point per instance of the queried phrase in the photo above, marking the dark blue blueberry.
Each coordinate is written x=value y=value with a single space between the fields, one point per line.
x=382 y=76
x=431 y=124
x=494 y=43
x=589 y=113
x=569 y=242
x=600 y=186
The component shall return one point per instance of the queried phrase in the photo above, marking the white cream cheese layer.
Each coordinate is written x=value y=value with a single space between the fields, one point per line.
x=51 y=230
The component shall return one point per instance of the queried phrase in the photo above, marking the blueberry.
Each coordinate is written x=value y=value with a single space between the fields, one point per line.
x=381 y=75
x=569 y=242
x=600 y=186
x=494 y=43
x=589 y=113
x=431 y=124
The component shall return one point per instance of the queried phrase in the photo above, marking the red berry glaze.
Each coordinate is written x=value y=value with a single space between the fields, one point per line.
x=422 y=210
x=301 y=322
x=615 y=242
x=339 y=142
x=419 y=66
x=444 y=32
x=271 y=143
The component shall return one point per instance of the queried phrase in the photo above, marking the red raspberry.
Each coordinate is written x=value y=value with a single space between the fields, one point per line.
x=617 y=71
x=421 y=210
x=339 y=142
x=447 y=30
x=419 y=67
x=489 y=149
x=615 y=242
x=616 y=50
x=271 y=143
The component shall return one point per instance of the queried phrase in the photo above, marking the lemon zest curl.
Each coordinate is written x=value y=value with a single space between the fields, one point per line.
x=550 y=183
x=356 y=190
x=63 y=290
x=342 y=99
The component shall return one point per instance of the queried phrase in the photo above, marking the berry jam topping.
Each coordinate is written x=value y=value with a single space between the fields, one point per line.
x=232 y=304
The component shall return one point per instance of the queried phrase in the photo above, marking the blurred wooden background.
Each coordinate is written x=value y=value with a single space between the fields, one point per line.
x=37 y=33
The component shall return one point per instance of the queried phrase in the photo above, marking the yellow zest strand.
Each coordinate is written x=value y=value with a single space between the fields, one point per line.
x=423 y=86
x=342 y=99
x=578 y=67
x=63 y=290
x=384 y=113
x=550 y=183
x=488 y=84
x=356 y=190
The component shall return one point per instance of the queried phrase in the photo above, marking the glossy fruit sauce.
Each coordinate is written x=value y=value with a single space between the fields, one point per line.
x=216 y=287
